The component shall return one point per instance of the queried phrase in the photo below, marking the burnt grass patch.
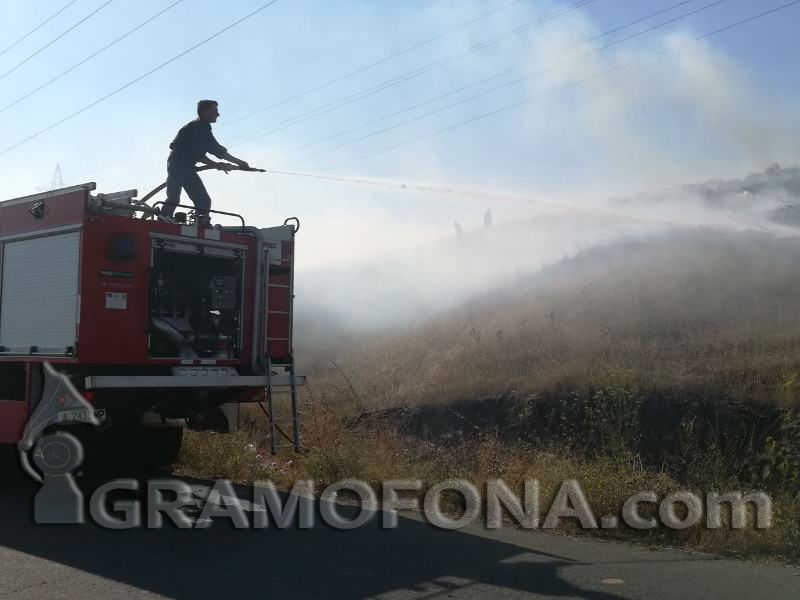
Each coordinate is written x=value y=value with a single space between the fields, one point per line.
x=696 y=438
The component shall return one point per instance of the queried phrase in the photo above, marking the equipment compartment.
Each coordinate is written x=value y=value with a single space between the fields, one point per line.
x=195 y=304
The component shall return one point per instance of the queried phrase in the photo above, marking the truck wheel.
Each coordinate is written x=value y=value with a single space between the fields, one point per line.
x=161 y=445
x=136 y=449
x=211 y=419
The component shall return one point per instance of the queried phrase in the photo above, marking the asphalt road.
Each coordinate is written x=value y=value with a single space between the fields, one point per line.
x=412 y=561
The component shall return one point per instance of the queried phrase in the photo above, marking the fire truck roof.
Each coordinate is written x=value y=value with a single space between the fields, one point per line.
x=91 y=186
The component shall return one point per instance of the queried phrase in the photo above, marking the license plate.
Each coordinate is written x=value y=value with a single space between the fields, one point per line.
x=82 y=415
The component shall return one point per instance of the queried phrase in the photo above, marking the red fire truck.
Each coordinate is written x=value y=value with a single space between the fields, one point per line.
x=155 y=323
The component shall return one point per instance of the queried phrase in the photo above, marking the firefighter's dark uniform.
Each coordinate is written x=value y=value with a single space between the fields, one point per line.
x=193 y=142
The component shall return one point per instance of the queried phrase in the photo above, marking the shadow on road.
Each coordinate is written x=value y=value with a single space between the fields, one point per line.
x=412 y=560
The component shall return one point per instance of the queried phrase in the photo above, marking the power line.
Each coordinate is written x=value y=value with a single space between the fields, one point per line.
x=328 y=107
x=378 y=62
x=499 y=87
x=39 y=26
x=90 y=57
x=325 y=51
x=495 y=76
x=743 y=21
x=293 y=65
x=136 y=80
x=438 y=36
x=486 y=92
x=54 y=40
x=399 y=79
x=530 y=99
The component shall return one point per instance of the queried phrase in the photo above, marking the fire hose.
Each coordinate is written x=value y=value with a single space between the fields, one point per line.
x=154 y=191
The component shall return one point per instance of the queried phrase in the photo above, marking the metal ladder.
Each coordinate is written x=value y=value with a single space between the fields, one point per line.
x=293 y=440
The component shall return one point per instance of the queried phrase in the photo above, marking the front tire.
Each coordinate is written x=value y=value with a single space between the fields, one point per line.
x=160 y=446
x=136 y=449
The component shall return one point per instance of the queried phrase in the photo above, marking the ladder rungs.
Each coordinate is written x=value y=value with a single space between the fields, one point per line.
x=283 y=384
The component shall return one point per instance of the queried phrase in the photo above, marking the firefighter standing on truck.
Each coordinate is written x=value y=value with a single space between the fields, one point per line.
x=190 y=146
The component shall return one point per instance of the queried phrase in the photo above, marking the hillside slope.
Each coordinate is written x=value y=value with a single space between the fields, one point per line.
x=698 y=310
x=347 y=299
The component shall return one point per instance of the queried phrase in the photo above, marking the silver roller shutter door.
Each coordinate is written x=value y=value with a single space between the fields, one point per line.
x=39 y=301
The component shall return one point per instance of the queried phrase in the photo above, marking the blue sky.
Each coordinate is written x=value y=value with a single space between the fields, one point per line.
x=720 y=107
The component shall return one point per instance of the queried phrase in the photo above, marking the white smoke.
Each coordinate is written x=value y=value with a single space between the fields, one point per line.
x=689 y=114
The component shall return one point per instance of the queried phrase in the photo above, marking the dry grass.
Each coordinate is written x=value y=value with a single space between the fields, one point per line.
x=707 y=313
x=607 y=482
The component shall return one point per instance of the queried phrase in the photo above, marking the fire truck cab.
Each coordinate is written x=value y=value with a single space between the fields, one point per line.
x=154 y=323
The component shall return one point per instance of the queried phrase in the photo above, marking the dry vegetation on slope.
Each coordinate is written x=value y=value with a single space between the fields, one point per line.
x=703 y=311
x=578 y=360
